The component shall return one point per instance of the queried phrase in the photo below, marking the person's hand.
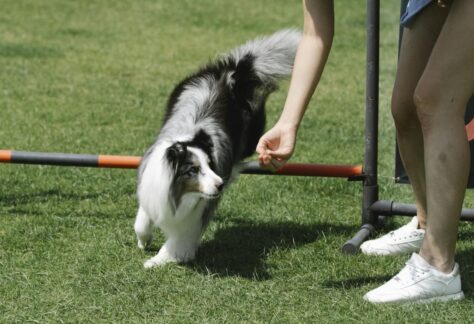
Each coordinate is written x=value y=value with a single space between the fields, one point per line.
x=276 y=146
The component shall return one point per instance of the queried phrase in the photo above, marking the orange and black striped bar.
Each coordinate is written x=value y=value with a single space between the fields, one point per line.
x=67 y=159
x=132 y=162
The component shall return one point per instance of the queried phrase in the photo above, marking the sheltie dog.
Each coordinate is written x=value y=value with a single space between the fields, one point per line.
x=213 y=121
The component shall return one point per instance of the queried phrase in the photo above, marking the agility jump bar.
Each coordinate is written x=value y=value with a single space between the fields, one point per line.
x=132 y=162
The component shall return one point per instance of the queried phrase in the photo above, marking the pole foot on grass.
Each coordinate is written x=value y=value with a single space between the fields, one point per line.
x=351 y=247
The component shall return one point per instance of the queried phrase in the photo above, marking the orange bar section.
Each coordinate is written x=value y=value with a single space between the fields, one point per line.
x=118 y=161
x=321 y=170
x=5 y=156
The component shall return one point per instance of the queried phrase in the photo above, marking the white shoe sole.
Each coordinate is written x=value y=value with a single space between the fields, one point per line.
x=445 y=298
x=456 y=296
x=368 y=251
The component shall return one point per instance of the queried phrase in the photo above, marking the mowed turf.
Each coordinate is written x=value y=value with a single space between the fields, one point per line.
x=93 y=77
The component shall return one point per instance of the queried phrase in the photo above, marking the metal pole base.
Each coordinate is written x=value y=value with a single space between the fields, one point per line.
x=386 y=208
x=351 y=247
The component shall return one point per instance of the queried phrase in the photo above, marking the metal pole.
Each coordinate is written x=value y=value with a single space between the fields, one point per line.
x=370 y=187
x=392 y=208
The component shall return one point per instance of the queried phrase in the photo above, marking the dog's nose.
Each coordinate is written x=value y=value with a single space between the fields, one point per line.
x=220 y=187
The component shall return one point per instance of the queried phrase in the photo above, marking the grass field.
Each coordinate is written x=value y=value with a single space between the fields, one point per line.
x=93 y=77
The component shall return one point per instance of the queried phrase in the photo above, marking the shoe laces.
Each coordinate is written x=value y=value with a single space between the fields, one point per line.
x=410 y=273
x=404 y=232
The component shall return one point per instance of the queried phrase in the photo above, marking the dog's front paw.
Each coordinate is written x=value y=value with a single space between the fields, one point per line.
x=144 y=241
x=142 y=245
x=169 y=254
x=158 y=261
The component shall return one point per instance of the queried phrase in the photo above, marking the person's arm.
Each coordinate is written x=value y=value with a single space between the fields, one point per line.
x=277 y=145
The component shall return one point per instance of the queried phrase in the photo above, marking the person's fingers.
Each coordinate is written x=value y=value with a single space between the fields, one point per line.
x=273 y=160
x=264 y=144
x=261 y=146
x=283 y=150
x=263 y=162
x=263 y=159
x=268 y=167
x=271 y=155
x=277 y=163
x=266 y=162
x=282 y=153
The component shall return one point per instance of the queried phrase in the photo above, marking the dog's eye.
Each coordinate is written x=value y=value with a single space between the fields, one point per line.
x=193 y=171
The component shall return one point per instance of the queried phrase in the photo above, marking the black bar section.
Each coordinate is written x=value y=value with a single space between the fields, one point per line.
x=370 y=186
x=392 y=208
x=252 y=167
x=372 y=111
x=60 y=159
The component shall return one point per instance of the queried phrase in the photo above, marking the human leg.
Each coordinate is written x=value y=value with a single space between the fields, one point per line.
x=441 y=97
x=416 y=46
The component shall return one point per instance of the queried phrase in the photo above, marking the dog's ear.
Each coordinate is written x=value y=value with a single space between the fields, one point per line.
x=203 y=140
x=175 y=154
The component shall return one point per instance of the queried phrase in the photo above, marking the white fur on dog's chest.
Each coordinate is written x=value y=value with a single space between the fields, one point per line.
x=189 y=210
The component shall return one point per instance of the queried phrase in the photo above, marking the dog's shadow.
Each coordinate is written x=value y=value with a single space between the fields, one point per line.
x=242 y=249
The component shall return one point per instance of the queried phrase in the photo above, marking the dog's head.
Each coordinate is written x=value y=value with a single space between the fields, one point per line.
x=192 y=167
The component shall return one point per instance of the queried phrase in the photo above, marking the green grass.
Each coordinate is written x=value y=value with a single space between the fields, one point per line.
x=93 y=77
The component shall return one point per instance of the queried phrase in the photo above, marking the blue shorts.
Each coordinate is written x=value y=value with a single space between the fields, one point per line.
x=412 y=9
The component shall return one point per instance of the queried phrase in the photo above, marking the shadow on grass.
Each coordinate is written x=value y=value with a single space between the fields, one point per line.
x=242 y=249
x=28 y=51
x=466 y=263
x=75 y=32
x=44 y=196
x=356 y=282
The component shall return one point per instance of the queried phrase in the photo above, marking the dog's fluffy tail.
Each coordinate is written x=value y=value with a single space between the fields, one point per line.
x=272 y=55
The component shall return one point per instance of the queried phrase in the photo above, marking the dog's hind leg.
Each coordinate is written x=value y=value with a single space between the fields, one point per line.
x=143 y=229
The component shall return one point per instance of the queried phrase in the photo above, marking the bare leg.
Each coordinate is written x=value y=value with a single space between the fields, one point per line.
x=441 y=97
x=417 y=44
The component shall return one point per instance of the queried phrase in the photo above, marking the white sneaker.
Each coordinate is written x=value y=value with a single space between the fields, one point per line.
x=419 y=282
x=406 y=239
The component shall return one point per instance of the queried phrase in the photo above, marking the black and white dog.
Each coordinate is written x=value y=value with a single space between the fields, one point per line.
x=214 y=120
